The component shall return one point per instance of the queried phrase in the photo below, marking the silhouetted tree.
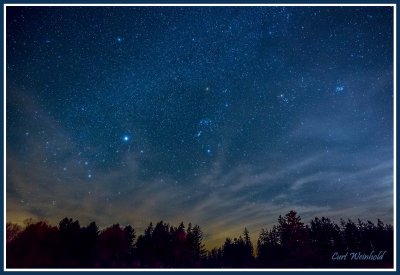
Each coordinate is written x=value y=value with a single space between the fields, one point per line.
x=196 y=247
x=325 y=238
x=269 y=249
x=180 y=248
x=113 y=247
x=292 y=231
x=290 y=243
x=70 y=236
x=228 y=253
x=213 y=258
x=293 y=239
x=351 y=235
x=130 y=236
x=12 y=231
x=248 y=249
x=145 y=247
x=36 y=246
x=239 y=252
x=89 y=239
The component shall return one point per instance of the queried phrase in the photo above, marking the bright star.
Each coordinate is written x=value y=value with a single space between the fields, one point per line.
x=283 y=98
x=119 y=39
x=126 y=138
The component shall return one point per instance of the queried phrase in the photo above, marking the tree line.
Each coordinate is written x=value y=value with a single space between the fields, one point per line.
x=288 y=244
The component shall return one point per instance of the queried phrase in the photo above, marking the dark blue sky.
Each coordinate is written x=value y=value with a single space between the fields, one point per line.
x=222 y=116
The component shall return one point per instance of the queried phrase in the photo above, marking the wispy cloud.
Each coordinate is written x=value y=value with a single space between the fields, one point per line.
x=222 y=200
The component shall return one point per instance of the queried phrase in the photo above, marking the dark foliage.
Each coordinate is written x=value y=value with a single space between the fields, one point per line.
x=288 y=244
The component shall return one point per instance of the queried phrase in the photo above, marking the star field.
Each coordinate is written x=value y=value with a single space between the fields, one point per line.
x=222 y=116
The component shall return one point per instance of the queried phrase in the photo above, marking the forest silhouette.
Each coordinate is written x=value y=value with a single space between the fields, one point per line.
x=288 y=244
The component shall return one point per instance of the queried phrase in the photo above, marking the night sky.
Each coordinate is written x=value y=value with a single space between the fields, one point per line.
x=223 y=116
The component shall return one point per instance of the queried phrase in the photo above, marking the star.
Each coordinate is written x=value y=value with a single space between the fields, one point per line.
x=339 y=88
x=205 y=122
x=283 y=98
x=150 y=94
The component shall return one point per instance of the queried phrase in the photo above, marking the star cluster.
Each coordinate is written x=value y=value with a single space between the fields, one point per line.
x=223 y=116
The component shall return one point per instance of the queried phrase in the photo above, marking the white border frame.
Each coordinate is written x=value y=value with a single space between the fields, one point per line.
x=203 y=269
